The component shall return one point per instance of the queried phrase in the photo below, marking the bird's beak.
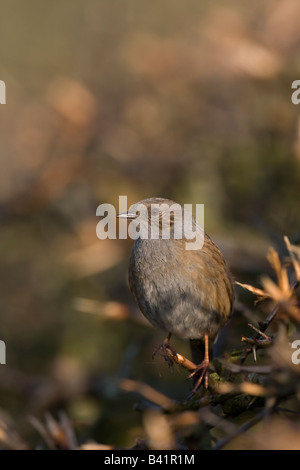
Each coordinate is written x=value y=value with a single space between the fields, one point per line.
x=126 y=215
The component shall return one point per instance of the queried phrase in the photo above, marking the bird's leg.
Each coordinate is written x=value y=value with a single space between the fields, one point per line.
x=202 y=369
x=164 y=348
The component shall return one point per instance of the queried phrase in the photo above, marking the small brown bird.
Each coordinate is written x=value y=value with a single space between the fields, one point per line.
x=185 y=292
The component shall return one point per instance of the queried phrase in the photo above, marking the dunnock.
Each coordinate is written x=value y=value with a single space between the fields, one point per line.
x=187 y=292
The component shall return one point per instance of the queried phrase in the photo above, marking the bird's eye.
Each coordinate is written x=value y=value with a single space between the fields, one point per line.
x=154 y=211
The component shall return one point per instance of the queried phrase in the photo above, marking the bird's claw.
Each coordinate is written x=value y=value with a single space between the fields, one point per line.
x=165 y=347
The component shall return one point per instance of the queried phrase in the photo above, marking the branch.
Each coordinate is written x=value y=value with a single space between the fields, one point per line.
x=181 y=360
x=265 y=324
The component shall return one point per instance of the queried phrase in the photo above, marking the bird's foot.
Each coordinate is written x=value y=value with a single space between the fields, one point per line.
x=201 y=371
x=167 y=351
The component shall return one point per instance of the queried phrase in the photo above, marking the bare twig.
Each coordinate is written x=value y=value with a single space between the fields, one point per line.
x=265 y=324
x=238 y=368
x=56 y=434
x=257 y=342
x=249 y=388
x=260 y=332
x=182 y=361
x=147 y=392
x=237 y=432
x=259 y=292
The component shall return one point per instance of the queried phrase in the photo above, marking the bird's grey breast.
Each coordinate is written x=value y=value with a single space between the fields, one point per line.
x=150 y=263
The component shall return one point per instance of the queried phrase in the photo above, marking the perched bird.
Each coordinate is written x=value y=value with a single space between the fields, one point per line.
x=188 y=292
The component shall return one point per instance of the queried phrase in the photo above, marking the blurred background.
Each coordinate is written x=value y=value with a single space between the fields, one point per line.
x=184 y=100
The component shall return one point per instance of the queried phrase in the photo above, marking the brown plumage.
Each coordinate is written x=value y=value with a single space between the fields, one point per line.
x=185 y=292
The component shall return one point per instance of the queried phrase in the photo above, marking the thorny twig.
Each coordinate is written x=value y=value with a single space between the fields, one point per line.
x=264 y=325
x=182 y=361
x=287 y=293
x=237 y=432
